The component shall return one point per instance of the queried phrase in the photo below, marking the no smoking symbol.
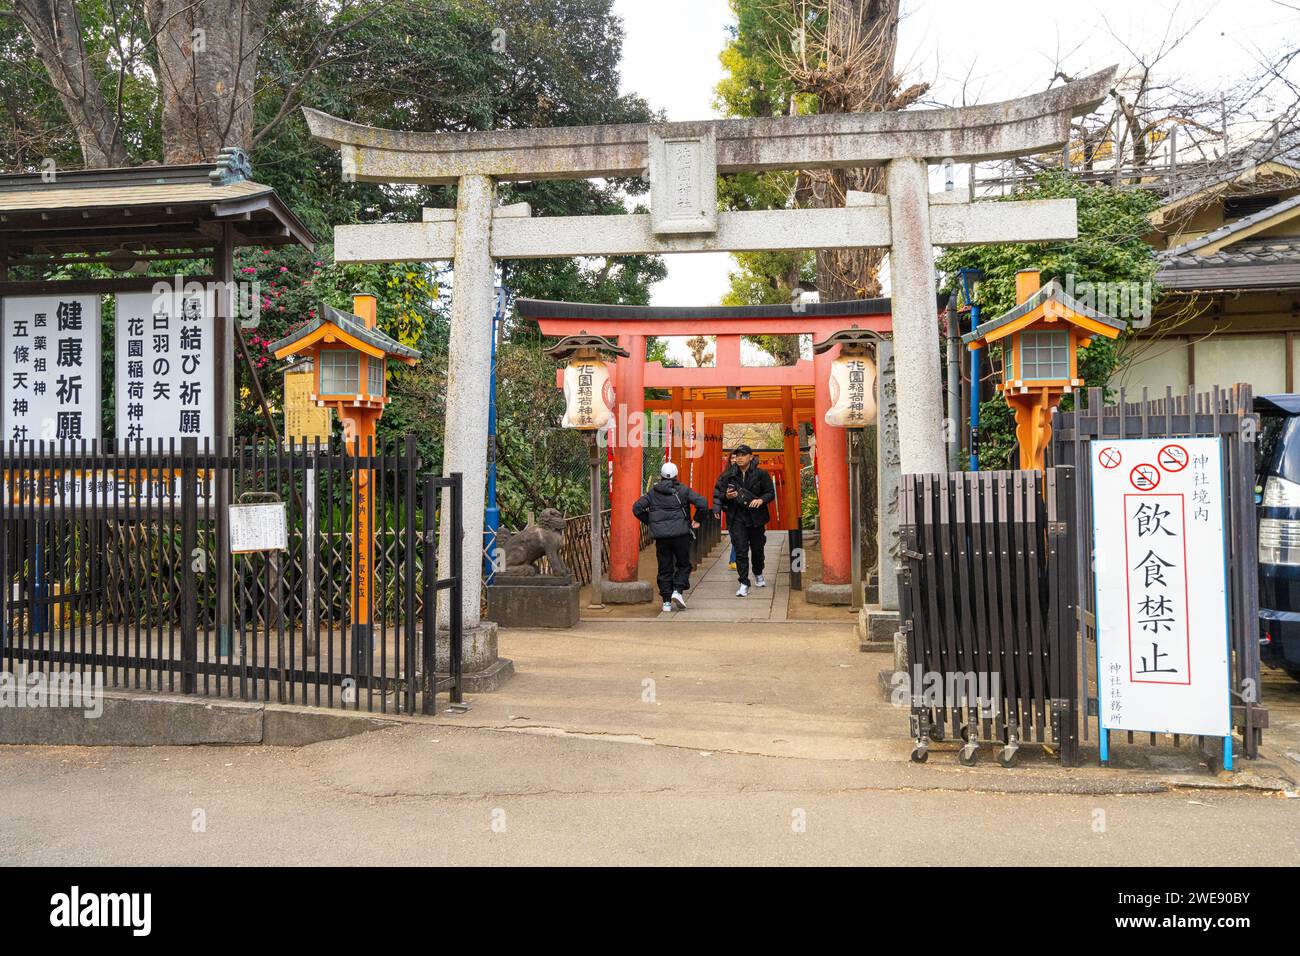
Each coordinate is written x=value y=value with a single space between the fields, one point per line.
x=1144 y=477
x=1110 y=457
x=1173 y=458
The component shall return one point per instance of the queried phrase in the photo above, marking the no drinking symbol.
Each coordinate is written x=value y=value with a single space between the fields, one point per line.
x=1144 y=477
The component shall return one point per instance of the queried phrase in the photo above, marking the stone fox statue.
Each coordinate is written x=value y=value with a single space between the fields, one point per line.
x=520 y=551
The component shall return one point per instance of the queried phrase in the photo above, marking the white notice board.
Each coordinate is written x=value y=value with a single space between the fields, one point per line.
x=260 y=527
x=166 y=356
x=1161 y=599
x=50 y=368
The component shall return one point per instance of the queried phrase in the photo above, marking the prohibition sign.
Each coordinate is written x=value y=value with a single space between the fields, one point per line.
x=1109 y=457
x=1173 y=458
x=1144 y=477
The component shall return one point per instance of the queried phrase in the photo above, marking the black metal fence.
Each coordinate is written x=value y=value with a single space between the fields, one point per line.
x=117 y=561
x=986 y=590
x=1226 y=413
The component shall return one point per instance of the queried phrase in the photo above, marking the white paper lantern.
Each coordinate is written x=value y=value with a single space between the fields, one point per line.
x=588 y=394
x=853 y=392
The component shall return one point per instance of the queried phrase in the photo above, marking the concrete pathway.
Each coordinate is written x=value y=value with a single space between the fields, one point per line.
x=712 y=596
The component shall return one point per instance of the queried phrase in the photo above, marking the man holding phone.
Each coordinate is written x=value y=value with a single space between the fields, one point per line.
x=744 y=491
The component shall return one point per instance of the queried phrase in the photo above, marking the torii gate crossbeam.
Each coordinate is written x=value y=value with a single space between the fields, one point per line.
x=682 y=162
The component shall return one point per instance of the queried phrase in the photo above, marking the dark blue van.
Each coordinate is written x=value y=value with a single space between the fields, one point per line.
x=1277 y=494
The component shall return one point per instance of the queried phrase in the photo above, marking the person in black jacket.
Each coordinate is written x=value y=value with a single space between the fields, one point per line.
x=744 y=491
x=666 y=508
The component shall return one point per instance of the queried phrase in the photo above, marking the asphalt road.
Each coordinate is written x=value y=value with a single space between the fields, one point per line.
x=426 y=794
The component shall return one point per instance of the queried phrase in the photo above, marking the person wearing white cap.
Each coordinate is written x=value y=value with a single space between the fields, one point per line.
x=666 y=508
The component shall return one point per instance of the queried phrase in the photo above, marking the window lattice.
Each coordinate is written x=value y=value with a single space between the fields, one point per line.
x=1044 y=355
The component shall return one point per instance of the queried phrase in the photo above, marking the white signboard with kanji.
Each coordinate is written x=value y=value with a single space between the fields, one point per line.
x=166 y=349
x=50 y=368
x=1161 y=601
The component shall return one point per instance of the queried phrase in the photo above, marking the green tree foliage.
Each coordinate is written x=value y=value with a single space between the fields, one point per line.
x=1109 y=248
x=450 y=65
x=436 y=65
x=36 y=132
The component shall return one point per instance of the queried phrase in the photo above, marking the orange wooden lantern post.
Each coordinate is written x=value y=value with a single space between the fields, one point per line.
x=1042 y=336
x=351 y=356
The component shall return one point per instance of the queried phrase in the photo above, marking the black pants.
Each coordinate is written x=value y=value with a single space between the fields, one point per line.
x=674 y=556
x=748 y=541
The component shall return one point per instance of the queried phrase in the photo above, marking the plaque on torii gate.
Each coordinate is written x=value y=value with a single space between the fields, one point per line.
x=681 y=161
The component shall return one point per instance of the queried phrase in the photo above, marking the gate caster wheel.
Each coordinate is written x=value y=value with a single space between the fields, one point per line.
x=920 y=754
x=965 y=734
x=1009 y=756
x=969 y=755
x=936 y=732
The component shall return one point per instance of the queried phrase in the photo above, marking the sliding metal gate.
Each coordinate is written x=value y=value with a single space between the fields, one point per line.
x=986 y=588
x=116 y=564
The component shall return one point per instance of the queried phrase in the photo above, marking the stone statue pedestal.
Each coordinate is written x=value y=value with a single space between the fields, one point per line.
x=533 y=601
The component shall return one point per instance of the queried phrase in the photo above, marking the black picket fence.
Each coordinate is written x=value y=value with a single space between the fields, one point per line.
x=117 y=561
x=986 y=587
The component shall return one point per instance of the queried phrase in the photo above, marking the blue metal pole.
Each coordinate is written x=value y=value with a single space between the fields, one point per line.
x=974 y=394
x=491 y=514
x=40 y=590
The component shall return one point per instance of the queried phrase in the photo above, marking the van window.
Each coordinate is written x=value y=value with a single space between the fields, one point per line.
x=1278 y=451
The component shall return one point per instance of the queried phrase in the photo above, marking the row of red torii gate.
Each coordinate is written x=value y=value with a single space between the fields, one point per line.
x=728 y=391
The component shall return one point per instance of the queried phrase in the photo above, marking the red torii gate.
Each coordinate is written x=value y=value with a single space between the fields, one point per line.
x=778 y=394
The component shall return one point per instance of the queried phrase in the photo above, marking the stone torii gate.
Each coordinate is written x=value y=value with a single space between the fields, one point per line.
x=682 y=162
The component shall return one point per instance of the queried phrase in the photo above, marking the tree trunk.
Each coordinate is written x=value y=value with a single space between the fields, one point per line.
x=55 y=29
x=860 y=43
x=207 y=63
x=846 y=273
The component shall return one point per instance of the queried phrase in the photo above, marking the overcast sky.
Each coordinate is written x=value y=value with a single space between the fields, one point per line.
x=985 y=51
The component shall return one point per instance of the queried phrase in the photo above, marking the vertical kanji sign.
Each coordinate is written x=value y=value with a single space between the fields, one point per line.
x=165 y=350
x=1159 y=560
x=853 y=392
x=588 y=394
x=50 y=368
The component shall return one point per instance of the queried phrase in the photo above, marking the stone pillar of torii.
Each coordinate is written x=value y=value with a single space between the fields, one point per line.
x=682 y=162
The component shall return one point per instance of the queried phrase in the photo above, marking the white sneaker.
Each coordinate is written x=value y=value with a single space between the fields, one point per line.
x=742 y=590
x=679 y=600
x=758 y=579
x=667 y=607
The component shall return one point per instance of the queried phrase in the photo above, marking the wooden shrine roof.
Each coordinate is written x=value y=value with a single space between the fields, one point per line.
x=158 y=207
